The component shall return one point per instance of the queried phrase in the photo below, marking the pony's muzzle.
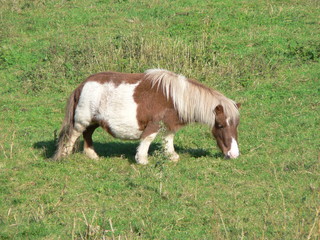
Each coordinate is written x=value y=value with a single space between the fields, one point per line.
x=231 y=155
x=234 y=150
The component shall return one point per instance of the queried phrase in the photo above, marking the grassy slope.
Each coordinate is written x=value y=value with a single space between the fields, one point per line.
x=262 y=54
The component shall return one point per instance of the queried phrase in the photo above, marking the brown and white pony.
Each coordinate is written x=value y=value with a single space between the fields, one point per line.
x=135 y=105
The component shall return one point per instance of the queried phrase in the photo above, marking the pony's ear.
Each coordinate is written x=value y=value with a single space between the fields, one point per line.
x=238 y=105
x=218 y=110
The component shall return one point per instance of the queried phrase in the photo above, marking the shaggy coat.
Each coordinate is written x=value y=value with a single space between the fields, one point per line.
x=134 y=105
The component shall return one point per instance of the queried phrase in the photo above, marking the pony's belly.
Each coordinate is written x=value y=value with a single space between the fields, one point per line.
x=125 y=132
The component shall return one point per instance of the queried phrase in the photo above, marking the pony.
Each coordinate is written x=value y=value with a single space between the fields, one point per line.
x=133 y=106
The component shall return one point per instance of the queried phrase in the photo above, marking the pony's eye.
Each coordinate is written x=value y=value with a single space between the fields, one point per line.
x=219 y=126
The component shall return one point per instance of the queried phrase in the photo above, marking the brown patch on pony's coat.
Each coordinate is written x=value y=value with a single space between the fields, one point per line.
x=154 y=107
x=105 y=126
x=87 y=135
x=193 y=101
x=115 y=77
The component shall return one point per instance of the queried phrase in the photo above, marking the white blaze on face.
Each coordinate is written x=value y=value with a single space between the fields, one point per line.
x=234 y=150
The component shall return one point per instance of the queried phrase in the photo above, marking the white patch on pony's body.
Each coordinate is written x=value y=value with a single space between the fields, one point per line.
x=112 y=104
x=119 y=110
x=87 y=106
x=234 y=150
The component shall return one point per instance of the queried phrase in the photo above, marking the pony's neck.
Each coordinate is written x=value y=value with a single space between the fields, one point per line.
x=193 y=101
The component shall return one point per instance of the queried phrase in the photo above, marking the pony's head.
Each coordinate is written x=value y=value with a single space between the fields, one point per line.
x=225 y=132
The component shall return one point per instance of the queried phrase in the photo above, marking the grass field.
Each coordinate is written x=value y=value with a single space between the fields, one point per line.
x=263 y=54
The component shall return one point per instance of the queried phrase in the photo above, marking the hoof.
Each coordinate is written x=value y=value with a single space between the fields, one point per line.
x=174 y=157
x=91 y=153
x=143 y=160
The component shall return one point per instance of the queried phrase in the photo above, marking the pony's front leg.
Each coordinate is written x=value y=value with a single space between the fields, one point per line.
x=169 y=148
x=142 y=151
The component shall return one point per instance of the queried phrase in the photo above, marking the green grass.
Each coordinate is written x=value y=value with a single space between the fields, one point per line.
x=264 y=54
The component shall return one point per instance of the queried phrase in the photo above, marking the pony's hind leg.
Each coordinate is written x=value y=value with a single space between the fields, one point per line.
x=169 y=148
x=88 y=144
x=69 y=145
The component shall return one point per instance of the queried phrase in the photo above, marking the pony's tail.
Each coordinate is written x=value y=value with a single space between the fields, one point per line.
x=67 y=125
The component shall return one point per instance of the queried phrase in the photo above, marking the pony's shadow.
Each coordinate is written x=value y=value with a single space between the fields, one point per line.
x=194 y=152
x=48 y=148
x=109 y=149
x=122 y=149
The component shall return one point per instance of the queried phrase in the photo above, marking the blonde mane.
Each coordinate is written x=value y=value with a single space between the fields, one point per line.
x=193 y=101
